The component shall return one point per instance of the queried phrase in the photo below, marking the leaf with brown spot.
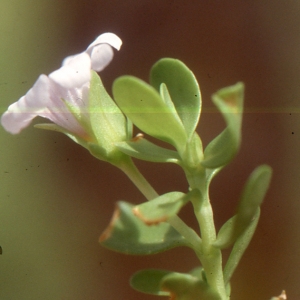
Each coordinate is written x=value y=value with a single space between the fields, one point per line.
x=128 y=234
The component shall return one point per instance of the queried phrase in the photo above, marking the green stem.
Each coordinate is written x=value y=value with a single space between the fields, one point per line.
x=209 y=256
x=129 y=168
x=132 y=172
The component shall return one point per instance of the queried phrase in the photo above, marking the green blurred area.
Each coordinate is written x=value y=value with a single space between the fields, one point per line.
x=55 y=199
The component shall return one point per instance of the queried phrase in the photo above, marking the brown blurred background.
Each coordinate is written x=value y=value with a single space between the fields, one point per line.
x=55 y=199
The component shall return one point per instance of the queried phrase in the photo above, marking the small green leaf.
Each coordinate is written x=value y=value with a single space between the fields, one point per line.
x=187 y=287
x=161 y=208
x=128 y=234
x=142 y=149
x=183 y=88
x=251 y=199
x=148 y=281
x=227 y=234
x=142 y=104
x=254 y=192
x=239 y=248
x=107 y=121
x=224 y=147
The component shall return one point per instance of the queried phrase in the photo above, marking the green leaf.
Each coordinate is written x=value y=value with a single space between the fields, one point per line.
x=128 y=234
x=182 y=87
x=107 y=121
x=254 y=192
x=148 y=281
x=251 y=199
x=239 y=248
x=224 y=147
x=161 y=208
x=177 y=285
x=147 y=110
x=142 y=149
x=227 y=234
x=165 y=96
x=187 y=287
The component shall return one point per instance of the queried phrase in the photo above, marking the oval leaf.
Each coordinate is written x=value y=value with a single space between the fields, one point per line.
x=128 y=234
x=183 y=89
x=142 y=104
x=254 y=192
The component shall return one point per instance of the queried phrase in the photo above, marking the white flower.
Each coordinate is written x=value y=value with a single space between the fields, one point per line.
x=62 y=97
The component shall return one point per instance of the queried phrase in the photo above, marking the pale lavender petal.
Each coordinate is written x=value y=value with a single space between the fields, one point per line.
x=20 y=114
x=57 y=111
x=74 y=72
x=101 y=56
x=106 y=38
x=15 y=119
x=101 y=52
x=43 y=99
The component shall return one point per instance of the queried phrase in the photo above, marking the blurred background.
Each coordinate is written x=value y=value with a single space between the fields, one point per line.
x=56 y=199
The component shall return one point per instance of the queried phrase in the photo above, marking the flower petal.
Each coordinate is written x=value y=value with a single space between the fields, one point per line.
x=101 y=56
x=14 y=120
x=106 y=38
x=21 y=113
x=54 y=98
x=101 y=52
x=75 y=71
x=44 y=99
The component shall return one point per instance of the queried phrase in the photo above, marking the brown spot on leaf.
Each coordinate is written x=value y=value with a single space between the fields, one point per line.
x=148 y=222
x=231 y=100
x=107 y=232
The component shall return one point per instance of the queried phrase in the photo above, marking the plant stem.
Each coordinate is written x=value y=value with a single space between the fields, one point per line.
x=132 y=172
x=209 y=256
